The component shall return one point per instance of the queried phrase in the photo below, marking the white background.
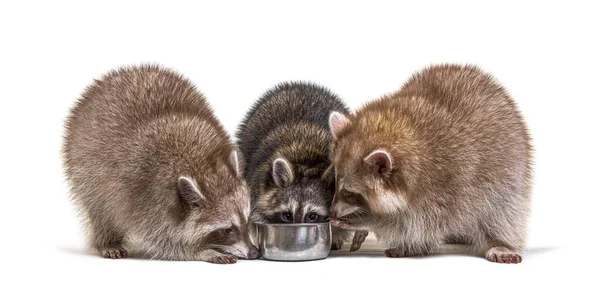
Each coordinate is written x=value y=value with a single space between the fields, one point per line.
x=546 y=54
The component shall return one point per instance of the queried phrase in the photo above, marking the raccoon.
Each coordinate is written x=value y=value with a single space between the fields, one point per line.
x=153 y=171
x=446 y=158
x=285 y=142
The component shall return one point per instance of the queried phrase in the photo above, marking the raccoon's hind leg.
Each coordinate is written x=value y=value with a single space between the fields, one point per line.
x=499 y=251
x=499 y=239
x=498 y=245
x=107 y=240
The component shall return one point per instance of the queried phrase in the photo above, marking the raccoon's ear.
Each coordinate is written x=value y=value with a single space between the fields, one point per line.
x=337 y=123
x=235 y=162
x=381 y=160
x=283 y=175
x=189 y=192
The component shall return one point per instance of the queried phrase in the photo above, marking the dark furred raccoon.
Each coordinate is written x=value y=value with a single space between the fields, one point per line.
x=285 y=141
x=446 y=158
x=153 y=171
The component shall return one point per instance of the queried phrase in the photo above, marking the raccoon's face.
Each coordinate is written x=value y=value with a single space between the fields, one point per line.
x=365 y=186
x=291 y=199
x=220 y=223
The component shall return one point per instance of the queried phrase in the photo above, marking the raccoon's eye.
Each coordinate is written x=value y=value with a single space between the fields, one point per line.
x=286 y=216
x=225 y=236
x=353 y=198
x=313 y=217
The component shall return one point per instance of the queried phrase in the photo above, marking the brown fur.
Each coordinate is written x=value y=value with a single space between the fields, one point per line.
x=153 y=170
x=459 y=165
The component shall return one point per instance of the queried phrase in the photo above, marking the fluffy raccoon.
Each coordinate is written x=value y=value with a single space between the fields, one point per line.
x=448 y=157
x=153 y=171
x=285 y=142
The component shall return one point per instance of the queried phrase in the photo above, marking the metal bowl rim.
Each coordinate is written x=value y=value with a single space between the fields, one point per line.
x=293 y=224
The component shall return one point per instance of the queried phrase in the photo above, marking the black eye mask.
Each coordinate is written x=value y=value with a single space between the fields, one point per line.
x=226 y=236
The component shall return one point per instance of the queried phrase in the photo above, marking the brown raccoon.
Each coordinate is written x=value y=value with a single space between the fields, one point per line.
x=153 y=171
x=447 y=157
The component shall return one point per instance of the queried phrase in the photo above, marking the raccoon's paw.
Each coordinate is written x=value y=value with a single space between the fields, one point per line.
x=114 y=253
x=357 y=241
x=395 y=253
x=215 y=257
x=500 y=254
x=411 y=250
x=224 y=259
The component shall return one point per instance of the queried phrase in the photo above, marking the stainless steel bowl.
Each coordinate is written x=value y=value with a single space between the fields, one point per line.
x=294 y=242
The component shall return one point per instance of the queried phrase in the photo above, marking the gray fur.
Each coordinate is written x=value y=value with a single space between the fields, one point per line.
x=285 y=142
x=153 y=171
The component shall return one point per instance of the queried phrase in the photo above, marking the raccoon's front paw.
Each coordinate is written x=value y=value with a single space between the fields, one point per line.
x=215 y=257
x=411 y=250
x=394 y=253
x=114 y=253
x=499 y=254
x=224 y=259
x=357 y=241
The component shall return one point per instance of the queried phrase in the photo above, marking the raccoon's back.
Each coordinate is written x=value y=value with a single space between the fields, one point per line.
x=286 y=104
x=463 y=130
x=113 y=112
x=472 y=128
x=463 y=90
x=127 y=97
x=467 y=104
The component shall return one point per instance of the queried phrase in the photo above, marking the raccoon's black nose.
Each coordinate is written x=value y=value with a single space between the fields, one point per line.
x=253 y=253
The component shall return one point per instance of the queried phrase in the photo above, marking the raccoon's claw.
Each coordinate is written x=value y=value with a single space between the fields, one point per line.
x=357 y=241
x=114 y=253
x=503 y=255
x=505 y=258
x=224 y=260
